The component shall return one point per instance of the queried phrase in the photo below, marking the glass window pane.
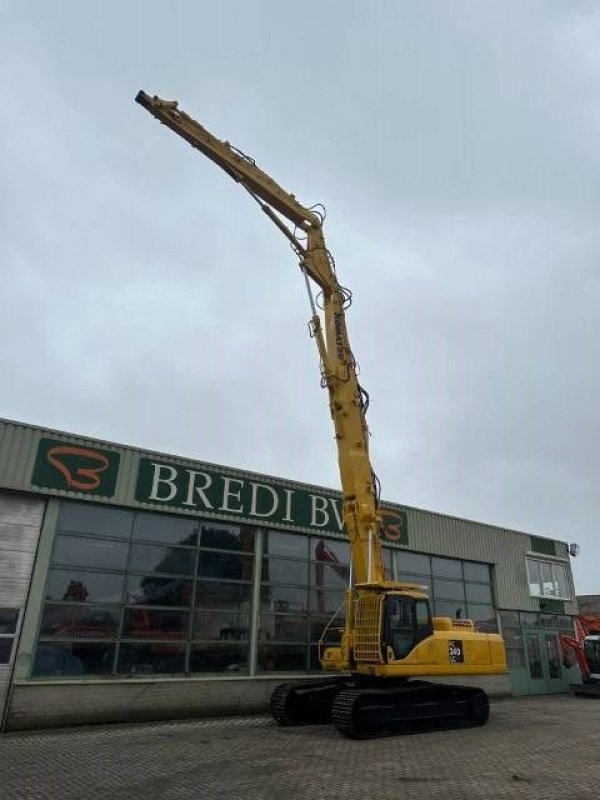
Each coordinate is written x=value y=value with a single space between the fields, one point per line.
x=534 y=655
x=476 y=572
x=515 y=657
x=151 y=590
x=283 y=598
x=535 y=578
x=224 y=626
x=81 y=586
x=230 y=658
x=317 y=625
x=548 y=587
x=86 y=552
x=509 y=618
x=283 y=627
x=449 y=590
x=151 y=658
x=552 y=656
x=79 y=621
x=284 y=570
x=450 y=608
x=415 y=563
x=329 y=576
x=227 y=537
x=217 y=594
x=143 y=623
x=560 y=580
x=325 y=602
x=227 y=566
x=419 y=580
x=478 y=593
x=332 y=551
x=446 y=568
x=8 y=620
x=6 y=649
x=481 y=613
x=290 y=545
x=73 y=658
x=165 y=528
x=282 y=658
x=153 y=558
x=88 y=518
x=530 y=619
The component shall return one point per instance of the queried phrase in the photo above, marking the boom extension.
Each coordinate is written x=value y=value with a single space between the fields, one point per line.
x=361 y=506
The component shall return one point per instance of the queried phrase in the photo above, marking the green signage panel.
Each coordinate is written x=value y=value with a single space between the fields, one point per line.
x=78 y=468
x=176 y=486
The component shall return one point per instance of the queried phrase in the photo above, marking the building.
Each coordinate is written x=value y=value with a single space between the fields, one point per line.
x=589 y=604
x=138 y=585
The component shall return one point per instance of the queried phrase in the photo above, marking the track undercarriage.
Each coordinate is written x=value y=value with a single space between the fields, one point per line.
x=363 y=708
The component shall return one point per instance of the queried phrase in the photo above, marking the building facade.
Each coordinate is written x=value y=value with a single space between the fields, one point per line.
x=138 y=585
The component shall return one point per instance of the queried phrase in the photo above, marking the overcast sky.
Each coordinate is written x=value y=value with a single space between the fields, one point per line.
x=146 y=300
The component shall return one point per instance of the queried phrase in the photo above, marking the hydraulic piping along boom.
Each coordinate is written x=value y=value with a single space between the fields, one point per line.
x=361 y=506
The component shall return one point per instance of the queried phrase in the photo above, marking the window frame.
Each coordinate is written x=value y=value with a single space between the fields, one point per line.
x=553 y=563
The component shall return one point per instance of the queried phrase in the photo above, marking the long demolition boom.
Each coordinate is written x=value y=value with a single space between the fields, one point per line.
x=347 y=400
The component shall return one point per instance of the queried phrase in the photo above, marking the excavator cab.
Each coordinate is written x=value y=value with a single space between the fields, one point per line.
x=591 y=648
x=407 y=621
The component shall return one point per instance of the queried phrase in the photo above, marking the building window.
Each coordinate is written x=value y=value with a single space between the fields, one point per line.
x=547 y=579
x=9 y=618
x=139 y=593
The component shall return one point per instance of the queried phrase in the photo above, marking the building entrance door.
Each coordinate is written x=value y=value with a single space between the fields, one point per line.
x=542 y=652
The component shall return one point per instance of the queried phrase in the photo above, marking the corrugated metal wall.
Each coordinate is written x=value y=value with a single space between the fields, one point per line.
x=428 y=532
x=20 y=525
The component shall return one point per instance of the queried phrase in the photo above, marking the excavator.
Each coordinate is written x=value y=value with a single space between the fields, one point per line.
x=389 y=640
x=585 y=646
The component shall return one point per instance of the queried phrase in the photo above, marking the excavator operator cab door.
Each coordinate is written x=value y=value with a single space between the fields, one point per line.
x=407 y=621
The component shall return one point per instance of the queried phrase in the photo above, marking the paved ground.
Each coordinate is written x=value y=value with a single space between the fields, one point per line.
x=533 y=749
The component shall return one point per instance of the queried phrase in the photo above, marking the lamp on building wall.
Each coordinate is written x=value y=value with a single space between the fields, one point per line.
x=574 y=549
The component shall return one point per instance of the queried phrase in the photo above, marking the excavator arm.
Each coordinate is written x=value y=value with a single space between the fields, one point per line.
x=338 y=367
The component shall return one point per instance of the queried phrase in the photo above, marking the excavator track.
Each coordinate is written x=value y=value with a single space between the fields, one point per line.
x=361 y=713
x=304 y=702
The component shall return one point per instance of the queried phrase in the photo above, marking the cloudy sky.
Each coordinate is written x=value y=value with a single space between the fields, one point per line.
x=146 y=300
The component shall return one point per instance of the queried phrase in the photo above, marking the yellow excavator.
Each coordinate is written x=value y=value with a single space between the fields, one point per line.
x=389 y=636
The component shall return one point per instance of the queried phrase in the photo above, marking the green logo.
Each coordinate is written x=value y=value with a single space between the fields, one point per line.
x=61 y=465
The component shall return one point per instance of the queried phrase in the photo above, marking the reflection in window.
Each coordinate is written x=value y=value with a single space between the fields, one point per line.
x=144 y=623
x=87 y=552
x=323 y=601
x=155 y=591
x=151 y=658
x=283 y=598
x=229 y=658
x=476 y=572
x=164 y=528
x=449 y=590
x=450 y=608
x=79 y=622
x=8 y=620
x=216 y=594
x=447 y=568
x=281 y=570
x=227 y=566
x=282 y=658
x=83 y=586
x=289 y=545
x=221 y=625
x=283 y=627
x=547 y=579
x=227 y=537
x=95 y=519
x=74 y=658
x=412 y=562
x=169 y=560
x=478 y=593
